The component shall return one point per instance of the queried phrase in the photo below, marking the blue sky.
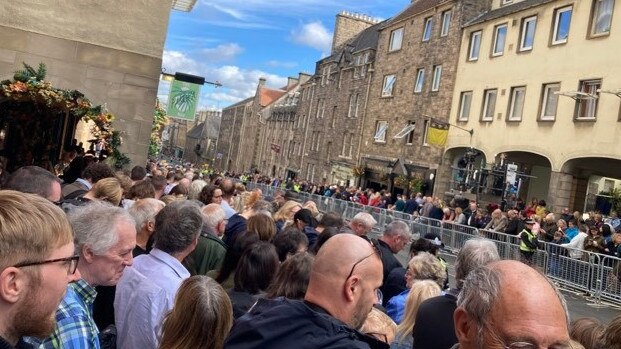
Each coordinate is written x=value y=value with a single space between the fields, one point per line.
x=237 y=41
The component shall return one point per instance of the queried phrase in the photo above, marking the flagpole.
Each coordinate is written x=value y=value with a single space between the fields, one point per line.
x=471 y=131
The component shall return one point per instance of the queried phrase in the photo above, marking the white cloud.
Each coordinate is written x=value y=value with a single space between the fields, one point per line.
x=281 y=64
x=313 y=34
x=224 y=52
x=238 y=83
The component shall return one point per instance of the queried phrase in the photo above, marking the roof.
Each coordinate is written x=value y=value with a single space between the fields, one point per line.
x=366 y=39
x=247 y=100
x=196 y=132
x=414 y=9
x=507 y=10
x=267 y=96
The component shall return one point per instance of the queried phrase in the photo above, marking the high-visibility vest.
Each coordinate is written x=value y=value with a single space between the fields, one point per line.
x=531 y=237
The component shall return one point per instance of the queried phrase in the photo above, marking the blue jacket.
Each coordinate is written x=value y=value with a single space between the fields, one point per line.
x=284 y=324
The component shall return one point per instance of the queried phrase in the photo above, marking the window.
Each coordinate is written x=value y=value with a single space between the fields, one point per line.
x=500 y=36
x=562 y=20
x=427 y=29
x=325 y=76
x=352 y=139
x=549 y=102
x=475 y=45
x=601 y=17
x=489 y=105
x=420 y=80
x=516 y=104
x=425 y=131
x=353 y=105
x=528 y=33
x=380 y=131
x=396 y=38
x=437 y=75
x=586 y=103
x=334 y=116
x=446 y=22
x=320 y=108
x=465 y=100
x=345 y=144
x=407 y=131
x=389 y=84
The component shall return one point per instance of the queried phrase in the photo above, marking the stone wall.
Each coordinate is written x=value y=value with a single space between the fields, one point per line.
x=347 y=26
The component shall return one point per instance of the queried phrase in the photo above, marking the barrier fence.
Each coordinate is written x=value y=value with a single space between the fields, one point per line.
x=593 y=273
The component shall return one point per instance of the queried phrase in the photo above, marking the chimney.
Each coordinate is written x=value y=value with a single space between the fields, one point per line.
x=291 y=82
x=347 y=26
x=262 y=81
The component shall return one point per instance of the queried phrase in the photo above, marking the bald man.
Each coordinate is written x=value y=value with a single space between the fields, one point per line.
x=497 y=303
x=341 y=292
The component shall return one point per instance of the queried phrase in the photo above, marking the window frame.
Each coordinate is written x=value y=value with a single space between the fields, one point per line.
x=523 y=32
x=419 y=84
x=427 y=29
x=381 y=129
x=595 y=9
x=460 y=113
x=437 y=77
x=512 y=103
x=354 y=99
x=425 y=132
x=495 y=41
x=391 y=42
x=485 y=108
x=446 y=23
x=545 y=94
x=579 y=102
x=386 y=94
x=409 y=138
x=556 y=24
x=479 y=35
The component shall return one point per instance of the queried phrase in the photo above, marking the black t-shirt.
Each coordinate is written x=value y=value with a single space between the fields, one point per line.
x=434 y=328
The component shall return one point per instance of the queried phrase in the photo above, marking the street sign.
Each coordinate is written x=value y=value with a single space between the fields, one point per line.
x=182 y=100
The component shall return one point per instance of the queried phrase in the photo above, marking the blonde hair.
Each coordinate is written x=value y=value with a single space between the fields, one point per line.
x=425 y=266
x=420 y=291
x=377 y=324
x=283 y=213
x=108 y=189
x=31 y=227
x=312 y=207
x=201 y=317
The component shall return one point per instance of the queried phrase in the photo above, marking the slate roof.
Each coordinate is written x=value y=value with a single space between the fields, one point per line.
x=507 y=10
x=196 y=131
x=366 y=39
x=414 y=9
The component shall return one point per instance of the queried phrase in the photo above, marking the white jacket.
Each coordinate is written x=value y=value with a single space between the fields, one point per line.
x=576 y=245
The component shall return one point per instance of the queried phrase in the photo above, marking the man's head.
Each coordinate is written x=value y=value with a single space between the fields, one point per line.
x=475 y=253
x=138 y=173
x=36 y=246
x=96 y=171
x=177 y=227
x=396 y=235
x=362 y=224
x=214 y=219
x=35 y=180
x=144 y=212
x=228 y=189
x=105 y=236
x=159 y=184
x=344 y=281
x=493 y=313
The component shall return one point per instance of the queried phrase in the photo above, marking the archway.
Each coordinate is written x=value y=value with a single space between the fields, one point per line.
x=596 y=183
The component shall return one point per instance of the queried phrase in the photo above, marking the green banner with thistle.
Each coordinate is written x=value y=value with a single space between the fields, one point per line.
x=183 y=100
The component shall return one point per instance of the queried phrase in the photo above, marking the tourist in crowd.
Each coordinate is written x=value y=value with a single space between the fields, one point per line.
x=420 y=291
x=228 y=191
x=159 y=184
x=498 y=223
x=210 y=194
x=396 y=236
x=284 y=216
x=323 y=237
x=91 y=175
x=460 y=217
x=105 y=236
x=35 y=180
x=304 y=220
x=292 y=277
x=141 y=190
x=586 y=331
x=196 y=187
x=612 y=335
x=330 y=219
x=210 y=249
x=201 y=317
x=238 y=222
x=37 y=262
x=290 y=242
x=225 y=275
x=263 y=225
x=147 y=291
x=362 y=224
x=594 y=242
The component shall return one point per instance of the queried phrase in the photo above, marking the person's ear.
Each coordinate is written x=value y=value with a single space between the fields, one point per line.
x=87 y=254
x=351 y=288
x=12 y=284
x=150 y=226
x=465 y=328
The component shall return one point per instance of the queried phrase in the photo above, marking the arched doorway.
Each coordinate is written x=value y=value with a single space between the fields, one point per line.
x=595 y=184
x=460 y=173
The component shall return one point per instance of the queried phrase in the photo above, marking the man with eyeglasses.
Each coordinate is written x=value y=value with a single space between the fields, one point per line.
x=105 y=236
x=396 y=236
x=37 y=261
x=493 y=313
x=341 y=292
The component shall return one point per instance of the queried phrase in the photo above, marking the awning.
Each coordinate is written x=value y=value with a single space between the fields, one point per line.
x=406 y=130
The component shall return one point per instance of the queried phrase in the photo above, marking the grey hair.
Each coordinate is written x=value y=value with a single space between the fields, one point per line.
x=481 y=290
x=177 y=226
x=195 y=189
x=397 y=228
x=425 y=266
x=364 y=218
x=262 y=206
x=94 y=225
x=144 y=211
x=475 y=253
x=212 y=215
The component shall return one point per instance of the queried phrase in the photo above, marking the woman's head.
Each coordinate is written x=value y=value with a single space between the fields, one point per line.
x=201 y=317
x=291 y=280
x=256 y=268
x=109 y=190
x=425 y=266
x=263 y=225
x=312 y=207
x=420 y=291
x=287 y=211
x=210 y=194
x=586 y=331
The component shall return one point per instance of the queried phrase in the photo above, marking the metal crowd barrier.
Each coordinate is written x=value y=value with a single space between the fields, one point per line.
x=596 y=274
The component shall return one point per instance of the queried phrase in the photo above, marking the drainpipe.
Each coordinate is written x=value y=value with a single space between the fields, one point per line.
x=363 y=119
x=308 y=117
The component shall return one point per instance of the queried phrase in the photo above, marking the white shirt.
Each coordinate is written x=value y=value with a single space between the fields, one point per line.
x=145 y=293
x=577 y=245
x=228 y=210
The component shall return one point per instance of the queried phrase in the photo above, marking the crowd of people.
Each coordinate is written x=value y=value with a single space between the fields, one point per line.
x=169 y=257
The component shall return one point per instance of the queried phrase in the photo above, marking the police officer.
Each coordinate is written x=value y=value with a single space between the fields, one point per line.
x=528 y=242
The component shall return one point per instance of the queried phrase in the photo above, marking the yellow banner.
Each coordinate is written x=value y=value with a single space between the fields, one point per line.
x=437 y=133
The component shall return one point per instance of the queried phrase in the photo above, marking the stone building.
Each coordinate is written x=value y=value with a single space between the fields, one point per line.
x=333 y=103
x=112 y=53
x=415 y=69
x=233 y=117
x=554 y=115
x=201 y=140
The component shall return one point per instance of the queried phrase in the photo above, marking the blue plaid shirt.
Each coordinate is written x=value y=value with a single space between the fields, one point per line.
x=75 y=327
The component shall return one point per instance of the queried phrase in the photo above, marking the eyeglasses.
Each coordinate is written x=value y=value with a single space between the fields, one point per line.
x=71 y=267
x=375 y=251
